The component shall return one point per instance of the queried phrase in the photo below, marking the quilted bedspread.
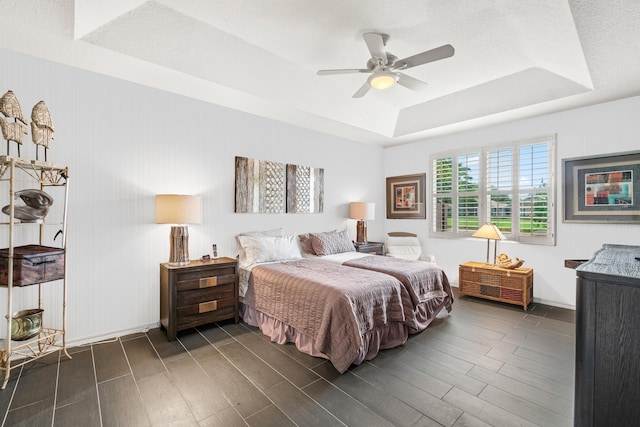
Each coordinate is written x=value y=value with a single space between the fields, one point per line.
x=330 y=303
x=426 y=282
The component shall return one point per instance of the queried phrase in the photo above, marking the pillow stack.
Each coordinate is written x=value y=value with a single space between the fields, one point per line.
x=256 y=247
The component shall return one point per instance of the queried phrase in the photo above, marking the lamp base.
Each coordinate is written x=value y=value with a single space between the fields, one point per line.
x=361 y=231
x=178 y=263
x=179 y=249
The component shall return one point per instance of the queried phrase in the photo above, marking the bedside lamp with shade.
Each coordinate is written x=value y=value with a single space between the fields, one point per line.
x=362 y=211
x=490 y=232
x=178 y=209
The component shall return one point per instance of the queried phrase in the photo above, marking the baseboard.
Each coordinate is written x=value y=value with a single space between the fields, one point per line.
x=554 y=303
x=111 y=335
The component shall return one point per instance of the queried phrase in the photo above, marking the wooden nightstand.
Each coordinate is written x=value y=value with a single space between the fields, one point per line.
x=373 y=248
x=489 y=281
x=199 y=293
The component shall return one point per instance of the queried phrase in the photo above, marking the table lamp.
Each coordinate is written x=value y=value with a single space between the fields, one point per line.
x=178 y=209
x=490 y=232
x=362 y=211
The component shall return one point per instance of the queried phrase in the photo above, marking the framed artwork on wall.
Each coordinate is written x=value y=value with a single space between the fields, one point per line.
x=406 y=197
x=602 y=189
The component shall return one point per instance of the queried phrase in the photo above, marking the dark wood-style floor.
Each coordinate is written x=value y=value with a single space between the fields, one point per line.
x=484 y=364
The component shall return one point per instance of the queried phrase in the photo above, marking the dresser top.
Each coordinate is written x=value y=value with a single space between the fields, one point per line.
x=199 y=263
x=494 y=267
x=614 y=260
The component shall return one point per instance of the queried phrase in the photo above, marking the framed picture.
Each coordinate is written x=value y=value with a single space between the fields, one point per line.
x=603 y=189
x=406 y=197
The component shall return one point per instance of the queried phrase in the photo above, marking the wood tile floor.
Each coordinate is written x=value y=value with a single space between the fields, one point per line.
x=485 y=364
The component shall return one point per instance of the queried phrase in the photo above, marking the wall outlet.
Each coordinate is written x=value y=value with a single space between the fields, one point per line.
x=215 y=250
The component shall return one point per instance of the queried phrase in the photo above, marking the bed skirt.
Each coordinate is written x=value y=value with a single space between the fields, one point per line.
x=382 y=337
x=427 y=311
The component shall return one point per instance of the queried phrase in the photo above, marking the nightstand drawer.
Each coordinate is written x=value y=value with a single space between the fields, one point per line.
x=205 y=312
x=188 y=282
x=206 y=294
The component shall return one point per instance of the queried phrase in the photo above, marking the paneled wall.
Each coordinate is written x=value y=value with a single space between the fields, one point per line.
x=124 y=143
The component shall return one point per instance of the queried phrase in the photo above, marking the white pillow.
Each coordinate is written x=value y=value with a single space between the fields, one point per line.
x=242 y=257
x=404 y=247
x=405 y=252
x=267 y=249
x=403 y=241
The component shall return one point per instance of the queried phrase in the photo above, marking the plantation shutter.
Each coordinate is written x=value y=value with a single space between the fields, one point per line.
x=510 y=185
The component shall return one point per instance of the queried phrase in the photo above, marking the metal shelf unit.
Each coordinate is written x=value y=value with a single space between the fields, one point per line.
x=13 y=171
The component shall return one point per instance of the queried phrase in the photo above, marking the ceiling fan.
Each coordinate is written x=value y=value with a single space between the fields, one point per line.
x=385 y=67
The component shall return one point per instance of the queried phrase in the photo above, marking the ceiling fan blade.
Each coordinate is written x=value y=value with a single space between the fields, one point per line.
x=375 y=43
x=436 y=54
x=343 y=71
x=410 y=82
x=362 y=91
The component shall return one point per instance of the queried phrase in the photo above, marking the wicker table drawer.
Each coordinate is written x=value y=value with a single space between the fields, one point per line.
x=489 y=281
x=199 y=293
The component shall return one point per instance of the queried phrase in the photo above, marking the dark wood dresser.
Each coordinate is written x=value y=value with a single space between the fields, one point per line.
x=199 y=293
x=607 y=383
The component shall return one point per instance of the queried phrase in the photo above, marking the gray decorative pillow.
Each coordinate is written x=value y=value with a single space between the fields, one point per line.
x=305 y=243
x=331 y=243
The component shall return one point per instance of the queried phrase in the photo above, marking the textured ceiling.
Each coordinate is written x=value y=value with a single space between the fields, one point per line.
x=513 y=59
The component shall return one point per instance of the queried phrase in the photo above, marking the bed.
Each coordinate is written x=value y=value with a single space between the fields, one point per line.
x=426 y=282
x=328 y=310
x=338 y=312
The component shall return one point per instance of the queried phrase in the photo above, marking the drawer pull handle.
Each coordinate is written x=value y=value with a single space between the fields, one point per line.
x=208 y=282
x=208 y=306
x=51 y=261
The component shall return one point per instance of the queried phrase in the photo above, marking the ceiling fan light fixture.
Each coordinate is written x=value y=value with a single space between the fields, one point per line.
x=383 y=79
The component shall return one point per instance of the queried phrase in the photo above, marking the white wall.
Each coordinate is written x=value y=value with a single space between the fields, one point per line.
x=124 y=143
x=600 y=129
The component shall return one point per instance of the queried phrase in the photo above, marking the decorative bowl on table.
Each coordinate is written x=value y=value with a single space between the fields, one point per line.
x=26 y=324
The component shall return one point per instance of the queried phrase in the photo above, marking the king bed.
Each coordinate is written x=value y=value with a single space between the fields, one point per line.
x=344 y=310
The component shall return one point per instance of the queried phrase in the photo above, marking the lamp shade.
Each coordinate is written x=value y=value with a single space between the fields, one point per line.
x=362 y=210
x=489 y=231
x=178 y=209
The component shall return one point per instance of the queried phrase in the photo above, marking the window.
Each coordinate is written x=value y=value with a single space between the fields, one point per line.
x=509 y=185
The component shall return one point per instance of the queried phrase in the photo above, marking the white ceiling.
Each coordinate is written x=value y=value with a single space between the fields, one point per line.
x=513 y=59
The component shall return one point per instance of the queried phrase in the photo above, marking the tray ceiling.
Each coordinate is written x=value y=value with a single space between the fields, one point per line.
x=512 y=59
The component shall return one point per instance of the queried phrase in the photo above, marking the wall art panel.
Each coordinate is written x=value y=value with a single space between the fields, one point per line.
x=305 y=189
x=260 y=186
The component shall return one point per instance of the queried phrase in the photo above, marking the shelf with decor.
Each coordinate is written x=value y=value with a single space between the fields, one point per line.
x=26 y=337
